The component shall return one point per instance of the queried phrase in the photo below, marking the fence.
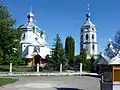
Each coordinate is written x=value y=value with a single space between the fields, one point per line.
x=27 y=71
x=37 y=68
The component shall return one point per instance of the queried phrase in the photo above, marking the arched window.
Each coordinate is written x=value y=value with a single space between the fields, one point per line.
x=93 y=47
x=93 y=29
x=86 y=36
x=81 y=36
x=93 y=36
x=81 y=47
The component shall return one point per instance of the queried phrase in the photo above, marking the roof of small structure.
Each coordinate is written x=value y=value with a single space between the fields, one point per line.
x=111 y=54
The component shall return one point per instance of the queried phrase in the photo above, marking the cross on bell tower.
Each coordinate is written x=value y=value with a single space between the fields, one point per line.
x=30 y=16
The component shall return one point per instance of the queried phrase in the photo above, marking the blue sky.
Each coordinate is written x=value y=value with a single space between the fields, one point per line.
x=67 y=16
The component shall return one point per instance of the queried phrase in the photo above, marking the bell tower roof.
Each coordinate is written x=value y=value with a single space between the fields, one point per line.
x=88 y=17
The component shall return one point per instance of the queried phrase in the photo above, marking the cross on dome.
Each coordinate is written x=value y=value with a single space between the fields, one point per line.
x=88 y=14
x=88 y=7
x=30 y=16
x=110 y=39
x=31 y=9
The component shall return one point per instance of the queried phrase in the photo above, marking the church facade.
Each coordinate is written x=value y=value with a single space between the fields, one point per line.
x=33 y=43
x=88 y=36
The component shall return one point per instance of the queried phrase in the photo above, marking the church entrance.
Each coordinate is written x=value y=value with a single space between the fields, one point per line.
x=37 y=59
x=28 y=61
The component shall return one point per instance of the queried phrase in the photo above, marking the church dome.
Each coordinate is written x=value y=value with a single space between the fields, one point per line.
x=31 y=22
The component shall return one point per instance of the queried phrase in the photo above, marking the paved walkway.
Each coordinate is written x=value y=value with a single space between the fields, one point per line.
x=54 y=83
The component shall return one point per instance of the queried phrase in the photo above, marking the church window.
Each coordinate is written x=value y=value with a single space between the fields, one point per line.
x=81 y=37
x=92 y=28
x=36 y=49
x=81 y=29
x=81 y=47
x=93 y=47
x=23 y=37
x=36 y=38
x=92 y=36
x=86 y=36
x=41 y=34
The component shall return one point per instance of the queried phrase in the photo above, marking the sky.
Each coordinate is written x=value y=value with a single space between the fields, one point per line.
x=67 y=16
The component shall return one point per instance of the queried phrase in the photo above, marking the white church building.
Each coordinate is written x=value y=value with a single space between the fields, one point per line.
x=33 y=41
x=88 y=36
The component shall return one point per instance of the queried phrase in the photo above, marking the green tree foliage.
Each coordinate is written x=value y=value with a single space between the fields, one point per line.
x=92 y=64
x=1 y=55
x=58 y=53
x=50 y=60
x=82 y=58
x=117 y=37
x=9 y=37
x=70 y=49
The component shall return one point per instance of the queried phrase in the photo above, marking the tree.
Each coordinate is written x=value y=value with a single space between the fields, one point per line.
x=58 y=53
x=117 y=37
x=82 y=58
x=1 y=55
x=9 y=37
x=92 y=64
x=49 y=59
x=16 y=57
x=70 y=49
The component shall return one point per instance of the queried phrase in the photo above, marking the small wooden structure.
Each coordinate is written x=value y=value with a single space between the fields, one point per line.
x=110 y=77
x=110 y=68
x=37 y=59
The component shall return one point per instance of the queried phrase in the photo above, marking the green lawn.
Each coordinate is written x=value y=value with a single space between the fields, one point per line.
x=86 y=70
x=4 y=81
x=21 y=69
x=5 y=68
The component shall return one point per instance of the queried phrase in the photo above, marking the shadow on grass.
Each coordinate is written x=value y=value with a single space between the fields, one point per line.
x=4 y=69
x=69 y=89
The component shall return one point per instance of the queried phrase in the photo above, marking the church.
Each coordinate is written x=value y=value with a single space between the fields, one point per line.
x=88 y=36
x=33 y=44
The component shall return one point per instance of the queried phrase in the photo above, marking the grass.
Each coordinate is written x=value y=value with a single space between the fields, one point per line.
x=5 y=68
x=21 y=69
x=86 y=70
x=4 y=81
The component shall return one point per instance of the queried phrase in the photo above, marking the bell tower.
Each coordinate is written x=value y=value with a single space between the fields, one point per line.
x=88 y=36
